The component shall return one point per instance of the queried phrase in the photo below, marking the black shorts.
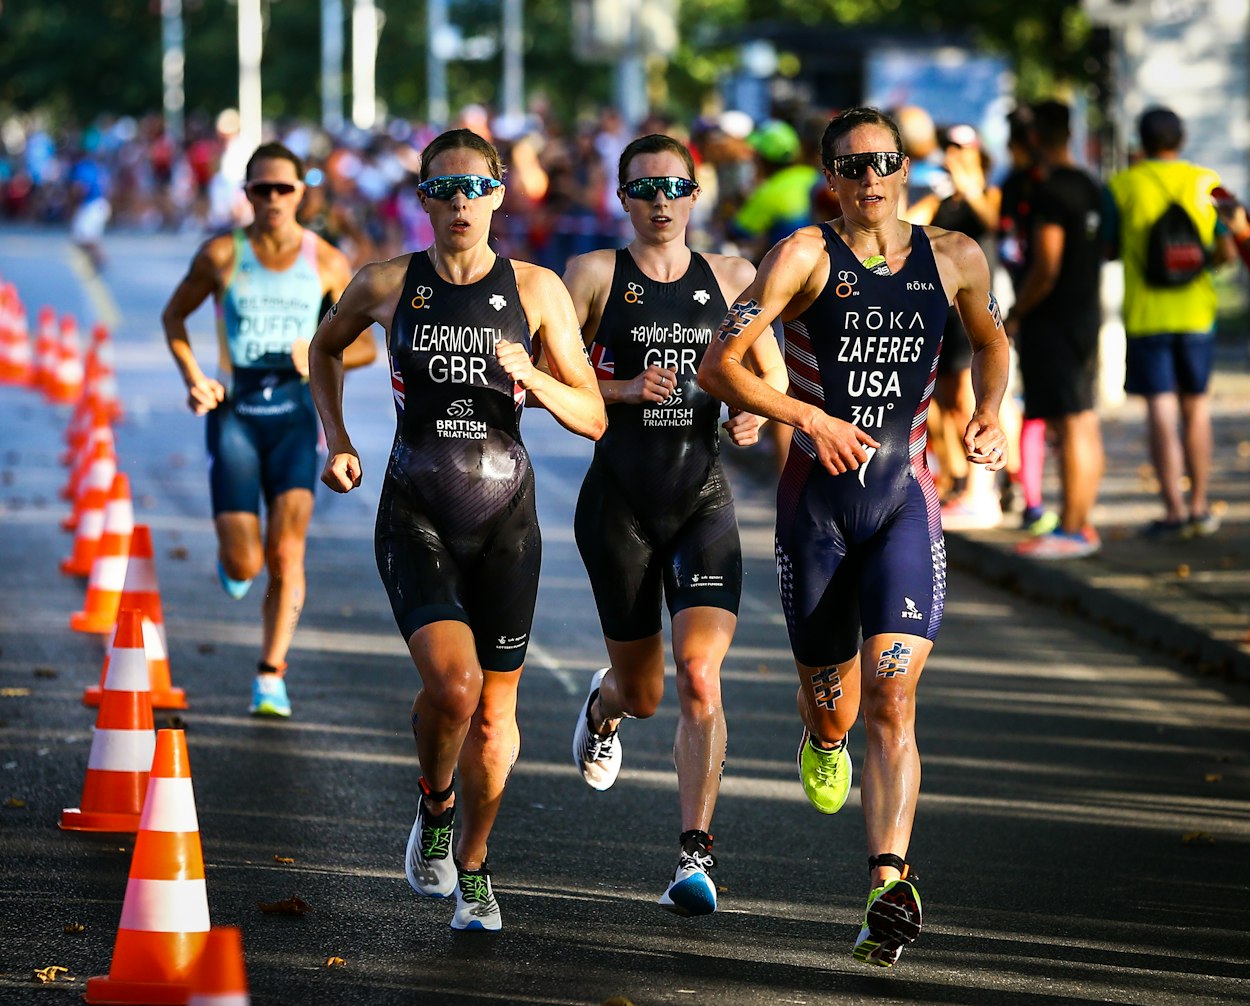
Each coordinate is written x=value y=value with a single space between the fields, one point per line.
x=487 y=579
x=1058 y=365
x=690 y=553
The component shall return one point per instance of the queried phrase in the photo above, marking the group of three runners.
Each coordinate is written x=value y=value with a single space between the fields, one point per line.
x=663 y=336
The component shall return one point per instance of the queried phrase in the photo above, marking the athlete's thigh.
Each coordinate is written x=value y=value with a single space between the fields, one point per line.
x=819 y=579
x=234 y=463
x=620 y=560
x=289 y=515
x=903 y=577
x=501 y=587
x=704 y=567
x=891 y=663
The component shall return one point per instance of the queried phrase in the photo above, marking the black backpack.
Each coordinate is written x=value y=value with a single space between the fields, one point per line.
x=1175 y=254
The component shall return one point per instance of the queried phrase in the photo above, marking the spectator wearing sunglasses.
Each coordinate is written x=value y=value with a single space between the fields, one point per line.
x=655 y=518
x=859 y=535
x=270 y=281
x=457 y=538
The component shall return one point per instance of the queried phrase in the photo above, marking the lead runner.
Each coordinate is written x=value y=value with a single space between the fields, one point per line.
x=859 y=534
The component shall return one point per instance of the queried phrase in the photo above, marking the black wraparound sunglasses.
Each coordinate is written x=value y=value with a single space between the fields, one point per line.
x=263 y=190
x=672 y=186
x=855 y=166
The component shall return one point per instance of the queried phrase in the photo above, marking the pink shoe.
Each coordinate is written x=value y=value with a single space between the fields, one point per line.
x=1061 y=545
x=960 y=515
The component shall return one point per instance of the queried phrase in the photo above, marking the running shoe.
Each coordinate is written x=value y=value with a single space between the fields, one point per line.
x=235 y=588
x=1201 y=526
x=597 y=756
x=692 y=891
x=891 y=921
x=476 y=907
x=826 y=775
x=1061 y=545
x=1036 y=521
x=269 y=696
x=961 y=515
x=427 y=860
x=1158 y=529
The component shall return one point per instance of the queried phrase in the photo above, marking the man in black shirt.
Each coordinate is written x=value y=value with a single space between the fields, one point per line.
x=1055 y=325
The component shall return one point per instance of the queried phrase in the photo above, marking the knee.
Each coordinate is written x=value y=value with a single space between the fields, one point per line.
x=243 y=564
x=640 y=697
x=890 y=713
x=452 y=695
x=285 y=558
x=698 y=687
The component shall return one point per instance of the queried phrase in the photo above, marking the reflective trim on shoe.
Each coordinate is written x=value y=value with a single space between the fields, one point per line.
x=1201 y=527
x=692 y=890
x=1061 y=545
x=235 y=588
x=269 y=696
x=428 y=863
x=476 y=907
x=825 y=774
x=596 y=756
x=892 y=920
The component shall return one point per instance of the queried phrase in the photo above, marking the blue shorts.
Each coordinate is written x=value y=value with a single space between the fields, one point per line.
x=261 y=445
x=1170 y=362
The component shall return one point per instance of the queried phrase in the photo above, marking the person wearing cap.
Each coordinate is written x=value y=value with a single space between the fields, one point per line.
x=270 y=282
x=781 y=201
x=859 y=544
x=1170 y=347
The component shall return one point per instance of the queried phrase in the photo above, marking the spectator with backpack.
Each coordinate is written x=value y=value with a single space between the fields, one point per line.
x=1161 y=222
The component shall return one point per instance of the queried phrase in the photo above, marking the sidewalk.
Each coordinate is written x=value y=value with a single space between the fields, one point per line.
x=1189 y=599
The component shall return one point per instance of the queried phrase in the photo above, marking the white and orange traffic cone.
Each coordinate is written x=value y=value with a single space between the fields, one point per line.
x=124 y=740
x=164 y=923
x=103 y=383
x=98 y=431
x=219 y=977
x=88 y=514
x=140 y=591
x=15 y=353
x=97 y=471
x=47 y=349
x=108 y=570
x=65 y=385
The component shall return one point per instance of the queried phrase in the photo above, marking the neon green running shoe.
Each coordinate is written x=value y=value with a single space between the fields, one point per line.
x=891 y=922
x=826 y=775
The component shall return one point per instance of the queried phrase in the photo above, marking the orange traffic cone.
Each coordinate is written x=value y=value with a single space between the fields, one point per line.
x=219 y=977
x=103 y=384
x=98 y=431
x=47 y=349
x=141 y=592
x=124 y=739
x=88 y=515
x=66 y=383
x=96 y=473
x=164 y=923
x=14 y=339
x=108 y=571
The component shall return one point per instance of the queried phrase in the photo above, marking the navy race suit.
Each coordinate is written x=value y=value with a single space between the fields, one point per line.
x=655 y=513
x=457 y=533
x=864 y=548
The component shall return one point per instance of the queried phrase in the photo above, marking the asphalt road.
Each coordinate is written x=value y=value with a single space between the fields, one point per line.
x=1083 y=832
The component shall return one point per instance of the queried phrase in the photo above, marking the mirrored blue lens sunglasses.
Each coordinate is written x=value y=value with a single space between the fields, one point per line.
x=672 y=186
x=445 y=187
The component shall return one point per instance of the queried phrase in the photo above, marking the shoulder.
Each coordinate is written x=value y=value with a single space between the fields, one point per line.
x=218 y=251
x=802 y=248
x=595 y=268
x=389 y=274
x=332 y=264
x=955 y=247
x=536 y=280
x=731 y=271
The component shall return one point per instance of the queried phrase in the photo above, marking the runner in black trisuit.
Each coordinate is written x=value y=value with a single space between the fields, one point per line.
x=457 y=538
x=859 y=541
x=655 y=518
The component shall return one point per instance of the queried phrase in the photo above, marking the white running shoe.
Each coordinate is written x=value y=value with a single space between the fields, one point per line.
x=692 y=892
x=597 y=757
x=428 y=861
x=476 y=907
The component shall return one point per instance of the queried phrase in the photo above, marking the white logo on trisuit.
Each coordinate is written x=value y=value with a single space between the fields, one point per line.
x=911 y=611
x=702 y=296
x=497 y=301
x=863 y=468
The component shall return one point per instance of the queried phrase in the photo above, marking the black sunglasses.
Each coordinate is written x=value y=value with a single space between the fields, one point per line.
x=445 y=187
x=263 y=190
x=855 y=166
x=672 y=187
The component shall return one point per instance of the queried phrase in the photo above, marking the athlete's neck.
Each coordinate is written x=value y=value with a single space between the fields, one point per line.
x=887 y=239
x=274 y=242
x=662 y=261
x=462 y=267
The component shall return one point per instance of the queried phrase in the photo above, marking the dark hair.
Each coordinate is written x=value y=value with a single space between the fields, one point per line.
x=461 y=139
x=1160 y=130
x=653 y=143
x=275 y=152
x=853 y=118
x=1020 y=125
x=1052 y=123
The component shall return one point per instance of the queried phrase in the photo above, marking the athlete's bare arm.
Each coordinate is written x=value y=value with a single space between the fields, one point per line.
x=734 y=274
x=213 y=261
x=790 y=278
x=370 y=297
x=569 y=390
x=589 y=281
x=336 y=273
x=962 y=266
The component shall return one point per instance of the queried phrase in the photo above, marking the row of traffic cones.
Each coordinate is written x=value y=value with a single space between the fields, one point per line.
x=138 y=779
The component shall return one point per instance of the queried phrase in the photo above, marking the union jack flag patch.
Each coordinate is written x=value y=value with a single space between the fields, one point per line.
x=601 y=359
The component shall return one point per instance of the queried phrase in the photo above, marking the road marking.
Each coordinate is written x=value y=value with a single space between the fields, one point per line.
x=98 y=293
x=549 y=662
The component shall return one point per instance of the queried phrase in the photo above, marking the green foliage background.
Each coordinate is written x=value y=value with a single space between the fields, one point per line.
x=77 y=58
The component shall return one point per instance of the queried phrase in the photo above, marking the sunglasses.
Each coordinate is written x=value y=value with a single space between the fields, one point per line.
x=672 y=187
x=263 y=190
x=855 y=166
x=445 y=187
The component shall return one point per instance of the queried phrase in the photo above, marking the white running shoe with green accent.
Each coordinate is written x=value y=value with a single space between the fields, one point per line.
x=892 y=920
x=597 y=756
x=476 y=907
x=428 y=862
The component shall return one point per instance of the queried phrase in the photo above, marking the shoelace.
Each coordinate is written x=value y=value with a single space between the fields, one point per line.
x=698 y=858
x=475 y=887
x=597 y=747
x=828 y=764
x=435 y=841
